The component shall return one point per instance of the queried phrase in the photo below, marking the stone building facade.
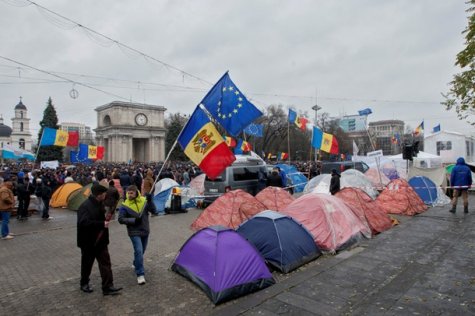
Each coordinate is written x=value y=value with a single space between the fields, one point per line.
x=131 y=131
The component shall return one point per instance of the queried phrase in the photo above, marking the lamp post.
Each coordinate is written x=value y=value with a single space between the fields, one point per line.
x=316 y=107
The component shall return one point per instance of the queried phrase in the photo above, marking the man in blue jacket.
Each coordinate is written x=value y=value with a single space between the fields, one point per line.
x=461 y=180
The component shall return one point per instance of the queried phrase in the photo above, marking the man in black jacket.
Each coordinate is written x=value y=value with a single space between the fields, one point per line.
x=93 y=238
x=334 y=182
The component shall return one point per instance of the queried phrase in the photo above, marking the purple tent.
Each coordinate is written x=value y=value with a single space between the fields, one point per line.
x=223 y=264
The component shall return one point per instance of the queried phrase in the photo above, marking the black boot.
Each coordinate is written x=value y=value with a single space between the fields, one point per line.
x=453 y=209
x=465 y=209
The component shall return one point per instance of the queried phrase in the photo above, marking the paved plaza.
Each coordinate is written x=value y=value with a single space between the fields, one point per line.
x=424 y=266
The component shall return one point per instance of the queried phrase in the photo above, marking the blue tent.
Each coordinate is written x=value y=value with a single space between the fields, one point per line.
x=297 y=179
x=425 y=188
x=162 y=193
x=283 y=242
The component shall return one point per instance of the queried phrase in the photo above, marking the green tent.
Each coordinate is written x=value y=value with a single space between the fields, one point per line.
x=79 y=196
x=449 y=168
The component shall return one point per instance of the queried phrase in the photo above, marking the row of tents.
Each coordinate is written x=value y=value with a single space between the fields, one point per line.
x=273 y=229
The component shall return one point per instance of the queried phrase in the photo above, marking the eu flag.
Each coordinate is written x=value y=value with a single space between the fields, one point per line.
x=254 y=130
x=230 y=108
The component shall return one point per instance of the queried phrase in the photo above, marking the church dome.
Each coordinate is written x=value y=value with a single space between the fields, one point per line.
x=5 y=131
x=20 y=106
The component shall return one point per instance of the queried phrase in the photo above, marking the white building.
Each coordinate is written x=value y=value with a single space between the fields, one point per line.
x=19 y=135
x=450 y=145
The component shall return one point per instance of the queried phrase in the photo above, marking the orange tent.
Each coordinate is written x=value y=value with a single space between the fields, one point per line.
x=366 y=209
x=60 y=196
x=274 y=198
x=229 y=210
x=400 y=198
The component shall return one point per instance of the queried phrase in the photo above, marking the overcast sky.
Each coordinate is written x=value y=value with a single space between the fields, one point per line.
x=394 y=56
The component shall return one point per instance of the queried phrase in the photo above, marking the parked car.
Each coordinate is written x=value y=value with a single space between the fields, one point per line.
x=242 y=174
x=341 y=166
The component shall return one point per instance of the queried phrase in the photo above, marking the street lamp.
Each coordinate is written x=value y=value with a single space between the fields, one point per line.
x=316 y=107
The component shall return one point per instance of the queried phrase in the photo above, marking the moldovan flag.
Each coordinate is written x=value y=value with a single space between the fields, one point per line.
x=324 y=141
x=73 y=139
x=231 y=142
x=92 y=152
x=419 y=129
x=54 y=137
x=298 y=120
x=203 y=144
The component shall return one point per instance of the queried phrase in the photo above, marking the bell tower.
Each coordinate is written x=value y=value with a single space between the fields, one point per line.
x=21 y=136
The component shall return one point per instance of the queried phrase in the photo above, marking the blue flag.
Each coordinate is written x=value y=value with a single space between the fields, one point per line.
x=73 y=156
x=229 y=106
x=366 y=111
x=83 y=153
x=292 y=116
x=436 y=129
x=254 y=130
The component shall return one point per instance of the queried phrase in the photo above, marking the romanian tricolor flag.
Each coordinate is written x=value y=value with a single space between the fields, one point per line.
x=203 y=144
x=324 y=141
x=300 y=121
x=419 y=129
x=54 y=137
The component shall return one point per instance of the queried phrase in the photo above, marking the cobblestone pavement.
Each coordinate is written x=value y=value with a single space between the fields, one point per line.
x=424 y=266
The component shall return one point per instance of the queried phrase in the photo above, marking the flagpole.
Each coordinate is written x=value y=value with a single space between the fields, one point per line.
x=288 y=139
x=39 y=145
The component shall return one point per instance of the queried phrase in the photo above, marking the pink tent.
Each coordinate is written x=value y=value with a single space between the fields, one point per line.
x=198 y=184
x=400 y=198
x=229 y=210
x=275 y=198
x=366 y=209
x=374 y=176
x=332 y=223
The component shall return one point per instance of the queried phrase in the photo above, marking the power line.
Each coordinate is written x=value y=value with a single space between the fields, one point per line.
x=64 y=78
x=106 y=39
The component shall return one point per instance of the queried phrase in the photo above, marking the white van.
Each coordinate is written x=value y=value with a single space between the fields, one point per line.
x=243 y=174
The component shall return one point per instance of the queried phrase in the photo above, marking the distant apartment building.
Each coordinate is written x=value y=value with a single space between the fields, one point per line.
x=382 y=133
x=85 y=132
x=355 y=127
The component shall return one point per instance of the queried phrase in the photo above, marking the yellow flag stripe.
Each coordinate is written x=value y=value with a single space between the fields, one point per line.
x=327 y=140
x=61 y=138
x=203 y=142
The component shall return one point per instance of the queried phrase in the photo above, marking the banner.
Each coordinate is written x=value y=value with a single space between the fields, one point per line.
x=53 y=164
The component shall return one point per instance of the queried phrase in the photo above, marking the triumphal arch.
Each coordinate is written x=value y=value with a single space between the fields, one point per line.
x=131 y=131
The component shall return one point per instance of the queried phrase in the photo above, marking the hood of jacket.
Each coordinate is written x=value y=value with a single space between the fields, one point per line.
x=460 y=161
x=136 y=204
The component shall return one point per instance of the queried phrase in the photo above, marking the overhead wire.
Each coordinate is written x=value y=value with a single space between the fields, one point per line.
x=64 y=78
x=68 y=24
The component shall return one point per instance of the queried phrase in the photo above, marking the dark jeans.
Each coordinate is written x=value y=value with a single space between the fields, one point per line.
x=23 y=204
x=45 y=208
x=104 y=262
